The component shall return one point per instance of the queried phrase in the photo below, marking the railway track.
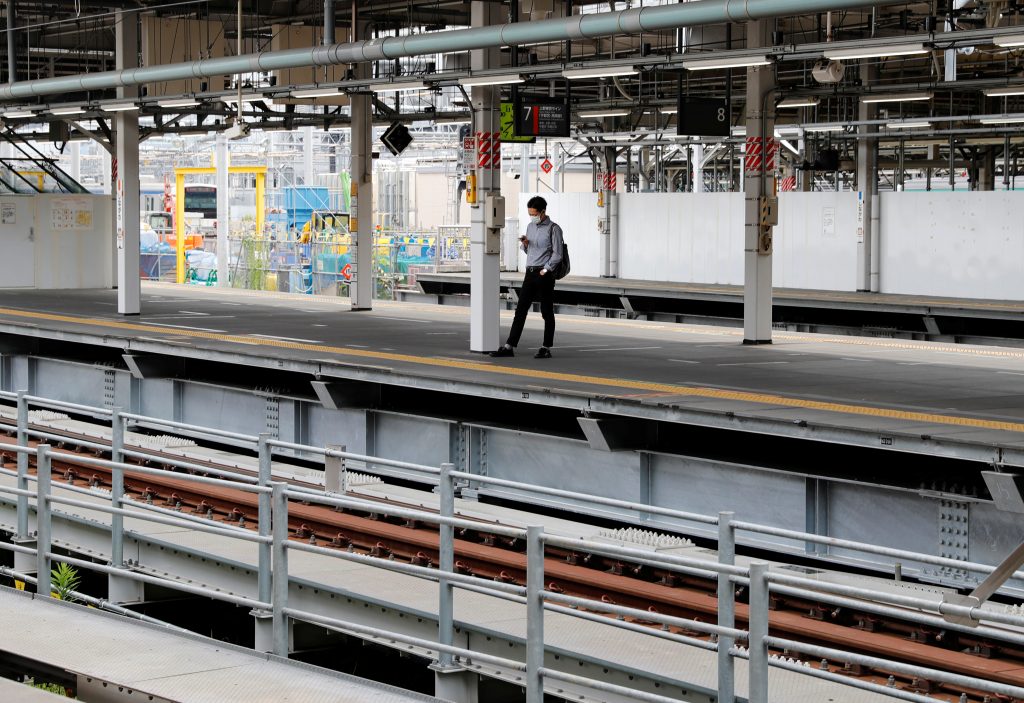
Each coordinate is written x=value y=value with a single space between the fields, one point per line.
x=594 y=576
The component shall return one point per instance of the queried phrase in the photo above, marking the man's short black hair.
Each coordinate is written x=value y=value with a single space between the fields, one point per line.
x=537 y=203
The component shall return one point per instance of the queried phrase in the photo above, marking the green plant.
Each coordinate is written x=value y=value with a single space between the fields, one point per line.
x=64 y=580
x=51 y=688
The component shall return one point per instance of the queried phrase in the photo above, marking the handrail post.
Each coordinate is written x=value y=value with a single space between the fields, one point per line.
x=43 y=586
x=726 y=608
x=446 y=564
x=116 y=487
x=280 y=572
x=22 y=464
x=264 y=507
x=335 y=470
x=757 y=632
x=534 y=613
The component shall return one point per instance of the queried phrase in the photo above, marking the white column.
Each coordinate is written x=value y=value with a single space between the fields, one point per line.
x=74 y=162
x=867 y=187
x=308 y=177
x=484 y=244
x=608 y=215
x=361 y=287
x=223 y=209
x=697 y=164
x=758 y=185
x=126 y=188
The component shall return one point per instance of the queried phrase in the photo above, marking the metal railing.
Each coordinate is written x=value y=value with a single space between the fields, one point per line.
x=273 y=543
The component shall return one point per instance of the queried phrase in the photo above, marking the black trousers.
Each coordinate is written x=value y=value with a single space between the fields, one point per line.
x=535 y=286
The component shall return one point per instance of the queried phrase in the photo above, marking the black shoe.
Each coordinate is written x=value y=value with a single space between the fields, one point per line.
x=503 y=351
x=542 y=353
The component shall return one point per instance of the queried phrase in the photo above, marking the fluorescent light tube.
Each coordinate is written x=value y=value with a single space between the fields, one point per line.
x=799 y=102
x=316 y=93
x=397 y=87
x=18 y=114
x=875 y=52
x=823 y=128
x=68 y=111
x=1002 y=119
x=725 y=62
x=896 y=98
x=1003 y=92
x=787 y=131
x=907 y=125
x=506 y=79
x=668 y=110
x=739 y=131
x=1012 y=40
x=182 y=102
x=599 y=72
x=120 y=107
x=603 y=113
x=233 y=98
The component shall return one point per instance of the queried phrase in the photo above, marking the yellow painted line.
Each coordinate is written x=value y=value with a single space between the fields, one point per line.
x=488 y=368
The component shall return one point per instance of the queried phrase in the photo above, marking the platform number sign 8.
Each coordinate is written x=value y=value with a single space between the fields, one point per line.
x=703 y=117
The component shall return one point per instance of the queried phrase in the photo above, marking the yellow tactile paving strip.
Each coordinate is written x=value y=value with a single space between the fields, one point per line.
x=768 y=399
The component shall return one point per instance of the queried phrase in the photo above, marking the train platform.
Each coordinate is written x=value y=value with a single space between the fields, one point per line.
x=716 y=292
x=923 y=391
x=157 y=663
x=921 y=317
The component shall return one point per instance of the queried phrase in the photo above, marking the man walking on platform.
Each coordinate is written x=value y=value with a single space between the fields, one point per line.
x=543 y=246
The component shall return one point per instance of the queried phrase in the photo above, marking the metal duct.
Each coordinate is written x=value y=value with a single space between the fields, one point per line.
x=632 y=21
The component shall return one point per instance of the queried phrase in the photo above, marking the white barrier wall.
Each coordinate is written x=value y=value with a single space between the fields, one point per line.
x=56 y=241
x=968 y=245
x=691 y=237
x=963 y=245
x=815 y=243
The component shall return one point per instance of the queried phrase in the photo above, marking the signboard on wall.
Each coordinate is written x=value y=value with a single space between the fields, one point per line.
x=703 y=117
x=76 y=213
x=538 y=116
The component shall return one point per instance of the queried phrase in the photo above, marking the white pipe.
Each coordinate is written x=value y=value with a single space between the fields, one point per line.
x=632 y=21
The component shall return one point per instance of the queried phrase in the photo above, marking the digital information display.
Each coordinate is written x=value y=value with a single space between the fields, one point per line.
x=703 y=117
x=508 y=126
x=542 y=117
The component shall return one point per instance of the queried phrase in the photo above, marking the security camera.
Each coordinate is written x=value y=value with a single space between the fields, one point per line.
x=239 y=130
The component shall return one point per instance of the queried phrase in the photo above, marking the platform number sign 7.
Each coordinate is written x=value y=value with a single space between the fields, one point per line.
x=703 y=117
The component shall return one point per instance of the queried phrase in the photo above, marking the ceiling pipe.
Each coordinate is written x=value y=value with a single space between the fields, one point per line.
x=632 y=21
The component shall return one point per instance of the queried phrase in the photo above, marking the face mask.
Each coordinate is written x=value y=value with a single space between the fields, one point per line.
x=535 y=219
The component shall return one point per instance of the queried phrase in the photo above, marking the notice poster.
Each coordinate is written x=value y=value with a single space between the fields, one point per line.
x=8 y=214
x=71 y=213
x=828 y=221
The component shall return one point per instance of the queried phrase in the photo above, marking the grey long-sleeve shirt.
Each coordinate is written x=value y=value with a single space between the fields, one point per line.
x=544 y=245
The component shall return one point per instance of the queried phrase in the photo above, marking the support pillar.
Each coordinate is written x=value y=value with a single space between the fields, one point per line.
x=987 y=169
x=74 y=164
x=126 y=186
x=484 y=242
x=223 y=209
x=867 y=189
x=609 y=215
x=758 y=186
x=361 y=211
x=697 y=162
